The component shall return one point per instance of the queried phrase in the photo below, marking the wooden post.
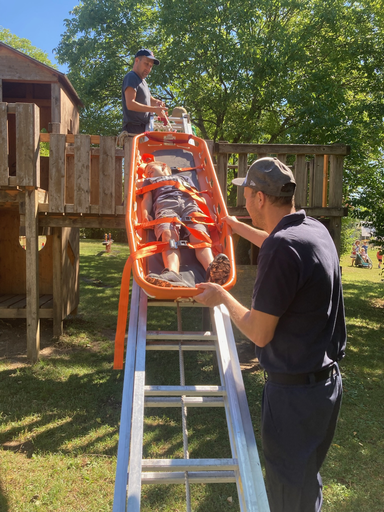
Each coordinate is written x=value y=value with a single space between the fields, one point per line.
x=325 y=181
x=301 y=177
x=118 y=181
x=242 y=172
x=57 y=265
x=222 y=172
x=210 y=146
x=317 y=181
x=336 y=196
x=57 y=173
x=27 y=145
x=55 y=123
x=32 y=274
x=4 y=173
x=107 y=175
x=82 y=173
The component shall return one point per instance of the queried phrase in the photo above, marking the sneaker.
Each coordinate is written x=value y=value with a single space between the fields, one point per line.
x=167 y=279
x=219 y=270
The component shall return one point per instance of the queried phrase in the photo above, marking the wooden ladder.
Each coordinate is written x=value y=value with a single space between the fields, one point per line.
x=132 y=470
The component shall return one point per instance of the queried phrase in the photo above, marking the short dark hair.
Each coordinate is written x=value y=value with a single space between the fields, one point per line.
x=278 y=201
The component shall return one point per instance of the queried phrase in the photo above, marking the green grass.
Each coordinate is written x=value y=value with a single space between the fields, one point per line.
x=59 y=419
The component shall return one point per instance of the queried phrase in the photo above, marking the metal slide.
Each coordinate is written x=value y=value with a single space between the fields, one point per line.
x=132 y=470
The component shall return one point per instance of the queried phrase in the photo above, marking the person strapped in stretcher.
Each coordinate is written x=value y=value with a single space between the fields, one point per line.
x=170 y=201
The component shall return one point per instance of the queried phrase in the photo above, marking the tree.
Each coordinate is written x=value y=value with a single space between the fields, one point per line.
x=282 y=71
x=271 y=72
x=25 y=46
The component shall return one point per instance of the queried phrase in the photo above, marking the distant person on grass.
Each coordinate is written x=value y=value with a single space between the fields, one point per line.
x=379 y=256
x=297 y=323
x=169 y=201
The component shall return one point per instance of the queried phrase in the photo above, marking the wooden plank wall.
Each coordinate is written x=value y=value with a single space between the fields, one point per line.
x=85 y=179
x=85 y=171
x=318 y=169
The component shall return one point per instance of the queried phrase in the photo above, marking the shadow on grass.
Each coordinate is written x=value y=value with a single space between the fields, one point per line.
x=70 y=404
x=4 y=506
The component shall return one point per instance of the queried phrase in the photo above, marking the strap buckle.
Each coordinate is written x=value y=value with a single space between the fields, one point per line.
x=173 y=244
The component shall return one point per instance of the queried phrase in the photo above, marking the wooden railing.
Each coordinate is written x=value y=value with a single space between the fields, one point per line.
x=84 y=173
x=80 y=177
x=318 y=171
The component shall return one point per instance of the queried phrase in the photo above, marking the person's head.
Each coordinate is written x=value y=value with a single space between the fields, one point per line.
x=269 y=180
x=144 y=61
x=178 y=112
x=155 y=169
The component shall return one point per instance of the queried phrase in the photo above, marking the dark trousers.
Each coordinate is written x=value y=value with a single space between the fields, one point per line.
x=134 y=128
x=298 y=424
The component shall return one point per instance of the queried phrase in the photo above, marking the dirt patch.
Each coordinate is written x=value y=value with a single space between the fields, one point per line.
x=13 y=341
x=377 y=303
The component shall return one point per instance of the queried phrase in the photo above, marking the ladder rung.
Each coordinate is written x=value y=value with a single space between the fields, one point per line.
x=189 y=401
x=195 y=477
x=185 y=345
x=184 y=390
x=184 y=335
x=189 y=465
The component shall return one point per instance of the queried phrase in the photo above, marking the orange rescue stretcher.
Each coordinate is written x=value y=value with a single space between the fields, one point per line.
x=188 y=155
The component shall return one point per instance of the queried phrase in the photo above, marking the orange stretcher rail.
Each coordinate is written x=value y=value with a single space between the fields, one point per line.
x=187 y=154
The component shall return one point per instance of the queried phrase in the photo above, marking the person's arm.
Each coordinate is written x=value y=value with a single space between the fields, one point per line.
x=253 y=235
x=135 y=106
x=257 y=326
x=146 y=207
x=157 y=103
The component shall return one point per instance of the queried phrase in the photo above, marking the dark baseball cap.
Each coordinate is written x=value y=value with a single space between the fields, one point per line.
x=147 y=53
x=270 y=176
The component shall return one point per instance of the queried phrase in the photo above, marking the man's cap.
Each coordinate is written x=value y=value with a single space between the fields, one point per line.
x=270 y=176
x=147 y=53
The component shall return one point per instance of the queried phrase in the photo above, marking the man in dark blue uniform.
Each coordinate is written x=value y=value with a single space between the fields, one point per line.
x=297 y=323
x=136 y=97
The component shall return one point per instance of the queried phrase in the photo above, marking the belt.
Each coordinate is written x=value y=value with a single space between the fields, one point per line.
x=301 y=378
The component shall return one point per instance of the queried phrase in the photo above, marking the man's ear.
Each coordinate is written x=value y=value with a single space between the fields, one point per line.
x=260 y=198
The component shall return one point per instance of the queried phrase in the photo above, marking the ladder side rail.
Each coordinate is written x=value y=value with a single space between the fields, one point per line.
x=230 y=426
x=136 y=450
x=229 y=419
x=257 y=474
x=120 y=494
x=246 y=490
x=186 y=125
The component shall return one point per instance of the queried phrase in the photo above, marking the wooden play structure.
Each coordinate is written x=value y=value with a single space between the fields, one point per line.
x=81 y=183
x=33 y=284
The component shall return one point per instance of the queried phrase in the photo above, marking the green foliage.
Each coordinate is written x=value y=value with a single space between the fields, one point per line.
x=25 y=46
x=349 y=232
x=368 y=202
x=281 y=71
x=60 y=418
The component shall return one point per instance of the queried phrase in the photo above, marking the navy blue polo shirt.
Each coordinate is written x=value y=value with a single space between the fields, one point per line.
x=298 y=280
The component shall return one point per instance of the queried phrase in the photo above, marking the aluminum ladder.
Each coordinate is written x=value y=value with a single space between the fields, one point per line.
x=132 y=470
x=179 y=124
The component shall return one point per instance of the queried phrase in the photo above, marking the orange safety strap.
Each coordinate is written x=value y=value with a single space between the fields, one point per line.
x=182 y=169
x=200 y=235
x=144 y=251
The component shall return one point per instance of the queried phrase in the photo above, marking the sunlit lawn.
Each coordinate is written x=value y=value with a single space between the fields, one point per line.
x=59 y=419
